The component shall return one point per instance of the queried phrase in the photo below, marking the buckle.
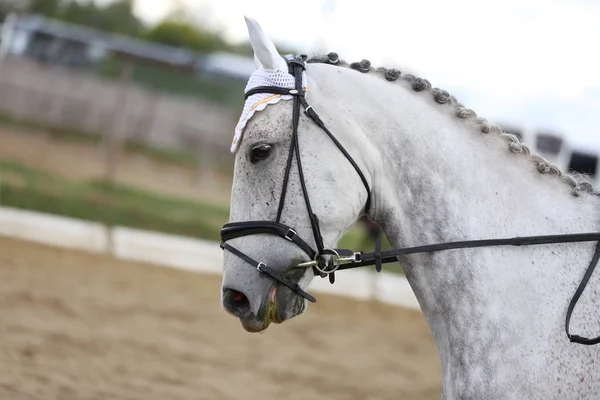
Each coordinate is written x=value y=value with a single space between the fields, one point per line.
x=299 y=60
x=261 y=264
x=337 y=261
x=290 y=235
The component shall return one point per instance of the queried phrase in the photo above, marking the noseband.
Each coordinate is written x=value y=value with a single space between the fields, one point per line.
x=326 y=261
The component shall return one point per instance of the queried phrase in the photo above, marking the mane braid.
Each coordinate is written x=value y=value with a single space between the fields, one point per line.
x=577 y=182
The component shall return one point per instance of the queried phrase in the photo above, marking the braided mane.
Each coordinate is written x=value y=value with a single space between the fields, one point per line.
x=577 y=182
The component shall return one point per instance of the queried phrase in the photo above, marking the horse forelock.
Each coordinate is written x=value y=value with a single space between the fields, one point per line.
x=579 y=183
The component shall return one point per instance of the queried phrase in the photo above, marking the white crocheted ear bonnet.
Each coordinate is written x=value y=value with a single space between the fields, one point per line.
x=259 y=101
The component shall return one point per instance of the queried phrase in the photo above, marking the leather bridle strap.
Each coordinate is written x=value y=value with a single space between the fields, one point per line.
x=314 y=221
x=274 y=90
x=389 y=256
x=239 y=229
x=312 y=114
x=575 y=299
x=265 y=269
x=365 y=259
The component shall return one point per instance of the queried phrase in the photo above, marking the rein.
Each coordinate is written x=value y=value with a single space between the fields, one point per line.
x=325 y=262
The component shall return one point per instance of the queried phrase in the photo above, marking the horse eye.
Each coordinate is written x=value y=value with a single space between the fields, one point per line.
x=260 y=152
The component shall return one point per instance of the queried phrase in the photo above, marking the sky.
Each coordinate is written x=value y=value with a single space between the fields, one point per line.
x=534 y=64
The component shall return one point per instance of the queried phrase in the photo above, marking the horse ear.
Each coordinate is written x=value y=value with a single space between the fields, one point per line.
x=257 y=63
x=265 y=52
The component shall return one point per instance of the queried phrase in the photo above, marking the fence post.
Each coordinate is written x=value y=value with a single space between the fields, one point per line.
x=6 y=35
x=114 y=136
x=114 y=139
x=147 y=117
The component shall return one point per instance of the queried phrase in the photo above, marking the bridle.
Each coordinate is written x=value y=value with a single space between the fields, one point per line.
x=237 y=229
x=325 y=262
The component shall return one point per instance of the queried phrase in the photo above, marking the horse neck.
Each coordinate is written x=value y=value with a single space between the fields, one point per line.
x=441 y=183
x=438 y=178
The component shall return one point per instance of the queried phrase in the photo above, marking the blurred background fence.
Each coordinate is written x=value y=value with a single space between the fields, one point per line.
x=79 y=101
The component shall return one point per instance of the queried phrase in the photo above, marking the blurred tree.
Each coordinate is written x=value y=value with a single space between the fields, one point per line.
x=116 y=17
x=121 y=18
x=82 y=13
x=8 y=6
x=245 y=49
x=181 y=33
x=47 y=7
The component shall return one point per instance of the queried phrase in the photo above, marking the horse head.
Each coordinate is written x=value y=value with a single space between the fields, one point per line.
x=293 y=194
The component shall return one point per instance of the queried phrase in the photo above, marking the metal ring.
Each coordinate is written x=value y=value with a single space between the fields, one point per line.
x=336 y=257
x=260 y=264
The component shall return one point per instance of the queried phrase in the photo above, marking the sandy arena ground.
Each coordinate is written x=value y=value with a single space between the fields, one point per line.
x=81 y=326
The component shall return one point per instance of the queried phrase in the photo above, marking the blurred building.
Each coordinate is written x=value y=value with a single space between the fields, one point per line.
x=59 y=43
x=229 y=65
x=558 y=150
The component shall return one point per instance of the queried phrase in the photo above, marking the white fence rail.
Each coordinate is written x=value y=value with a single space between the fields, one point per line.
x=53 y=230
x=181 y=252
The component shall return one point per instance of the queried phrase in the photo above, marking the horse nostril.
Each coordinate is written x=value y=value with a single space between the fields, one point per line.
x=238 y=296
x=236 y=302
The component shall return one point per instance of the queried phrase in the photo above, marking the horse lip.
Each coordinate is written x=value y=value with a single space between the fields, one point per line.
x=271 y=312
x=267 y=313
x=252 y=327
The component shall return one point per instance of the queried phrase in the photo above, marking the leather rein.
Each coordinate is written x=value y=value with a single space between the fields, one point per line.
x=325 y=262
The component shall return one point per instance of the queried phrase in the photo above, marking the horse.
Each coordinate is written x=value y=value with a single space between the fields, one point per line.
x=378 y=143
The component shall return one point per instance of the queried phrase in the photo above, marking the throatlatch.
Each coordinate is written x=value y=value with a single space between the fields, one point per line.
x=325 y=262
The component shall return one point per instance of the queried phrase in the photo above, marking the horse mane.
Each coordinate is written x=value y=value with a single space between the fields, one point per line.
x=577 y=182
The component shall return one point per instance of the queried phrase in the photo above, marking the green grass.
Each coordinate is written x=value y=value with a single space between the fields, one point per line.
x=113 y=204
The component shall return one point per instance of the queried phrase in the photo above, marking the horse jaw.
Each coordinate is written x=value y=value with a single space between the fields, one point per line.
x=265 y=52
